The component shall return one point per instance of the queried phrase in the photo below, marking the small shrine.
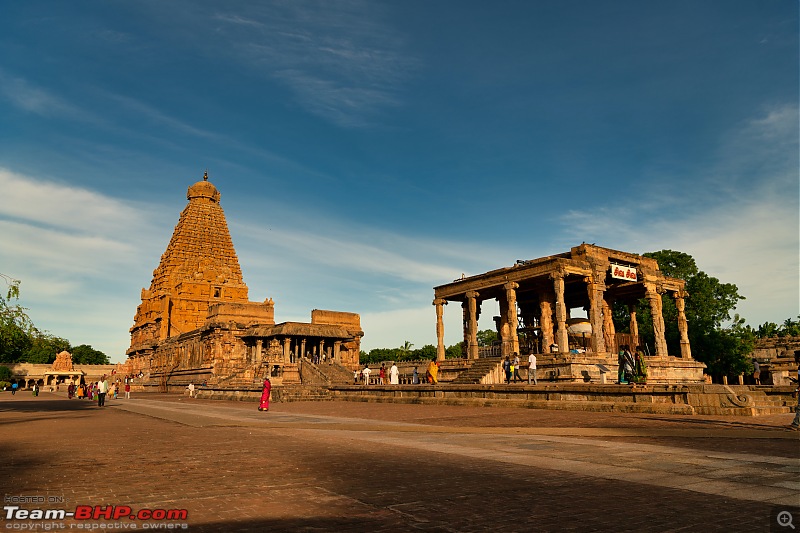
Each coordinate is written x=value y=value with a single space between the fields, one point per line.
x=63 y=370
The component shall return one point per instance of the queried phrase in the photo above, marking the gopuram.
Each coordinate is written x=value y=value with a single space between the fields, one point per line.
x=196 y=325
x=535 y=299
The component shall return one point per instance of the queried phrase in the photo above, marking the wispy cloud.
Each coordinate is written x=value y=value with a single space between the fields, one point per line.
x=139 y=108
x=57 y=237
x=341 y=59
x=738 y=218
x=355 y=249
x=33 y=99
x=44 y=203
x=82 y=256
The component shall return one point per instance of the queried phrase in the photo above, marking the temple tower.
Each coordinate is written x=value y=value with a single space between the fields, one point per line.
x=198 y=269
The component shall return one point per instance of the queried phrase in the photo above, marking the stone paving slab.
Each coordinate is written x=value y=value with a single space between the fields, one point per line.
x=374 y=467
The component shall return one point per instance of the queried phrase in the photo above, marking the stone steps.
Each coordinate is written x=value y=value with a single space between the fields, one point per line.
x=479 y=369
x=334 y=373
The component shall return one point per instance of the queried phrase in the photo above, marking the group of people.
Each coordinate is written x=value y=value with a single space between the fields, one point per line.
x=511 y=366
x=98 y=390
x=631 y=368
x=393 y=374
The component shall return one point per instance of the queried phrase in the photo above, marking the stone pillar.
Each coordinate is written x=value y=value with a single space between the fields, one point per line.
x=513 y=320
x=287 y=348
x=561 y=312
x=546 y=321
x=654 y=297
x=597 y=312
x=503 y=329
x=683 y=325
x=440 y=351
x=609 y=331
x=472 y=341
x=303 y=348
x=257 y=358
x=337 y=346
x=634 y=326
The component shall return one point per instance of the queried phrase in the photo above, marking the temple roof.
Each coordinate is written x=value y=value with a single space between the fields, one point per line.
x=201 y=249
x=203 y=189
x=299 y=329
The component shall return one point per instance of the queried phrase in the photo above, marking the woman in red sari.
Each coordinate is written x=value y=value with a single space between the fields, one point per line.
x=264 y=405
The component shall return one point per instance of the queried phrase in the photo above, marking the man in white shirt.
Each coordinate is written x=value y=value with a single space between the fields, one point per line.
x=366 y=372
x=532 y=369
x=394 y=375
x=102 y=390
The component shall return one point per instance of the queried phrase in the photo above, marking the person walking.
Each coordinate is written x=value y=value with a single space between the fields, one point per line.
x=756 y=372
x=433 y=372
x=264 y=405
x=517 y=377
x=507 y=370
x=14 y=387
x=102 y=390
x=127 y=390
x=532 y=369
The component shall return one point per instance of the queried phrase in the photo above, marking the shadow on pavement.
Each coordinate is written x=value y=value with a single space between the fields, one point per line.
x=42 y=405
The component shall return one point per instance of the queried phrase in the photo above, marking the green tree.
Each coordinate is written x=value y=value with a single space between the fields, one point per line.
x=486 y=337
x=456 y=351
x=5 y=373
x=405 y=350
x=426 y=352
x=790 y=328
x=708 y=306
x=730 y=346
x=86 y=355
x=16 y=327
x=767 y=329
x=44 y=348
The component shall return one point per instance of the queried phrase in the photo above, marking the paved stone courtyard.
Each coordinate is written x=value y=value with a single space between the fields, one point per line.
x=347 y=466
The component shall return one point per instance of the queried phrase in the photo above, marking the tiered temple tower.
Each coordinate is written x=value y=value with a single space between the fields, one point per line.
x=198 y=268
x=195 y=323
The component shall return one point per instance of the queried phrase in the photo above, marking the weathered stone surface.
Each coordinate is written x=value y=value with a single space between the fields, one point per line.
x=63 y=362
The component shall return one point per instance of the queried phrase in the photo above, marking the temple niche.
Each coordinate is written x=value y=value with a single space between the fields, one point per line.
x=535 y=298
x=196 y=323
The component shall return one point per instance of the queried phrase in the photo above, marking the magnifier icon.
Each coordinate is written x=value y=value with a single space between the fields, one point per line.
x=785 y=519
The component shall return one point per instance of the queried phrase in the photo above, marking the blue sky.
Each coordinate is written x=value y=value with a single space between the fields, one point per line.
x=369 y=151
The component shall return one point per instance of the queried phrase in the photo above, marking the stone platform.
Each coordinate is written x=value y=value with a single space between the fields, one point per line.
x=742 y=400
x=590 y=368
